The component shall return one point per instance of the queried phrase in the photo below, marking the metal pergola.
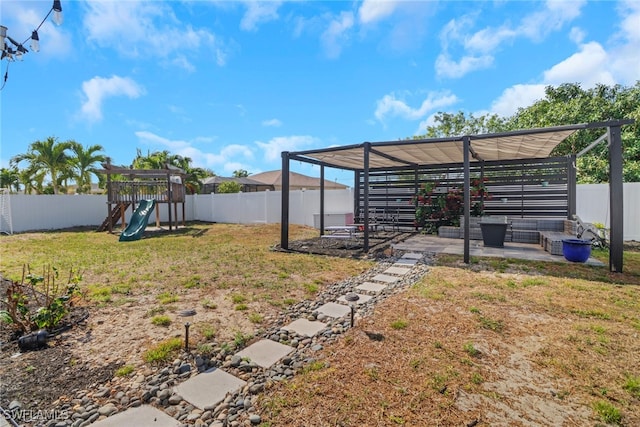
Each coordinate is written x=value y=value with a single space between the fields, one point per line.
x=412 y=154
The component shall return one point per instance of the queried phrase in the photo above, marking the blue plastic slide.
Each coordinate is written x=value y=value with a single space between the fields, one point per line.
x=139 y=220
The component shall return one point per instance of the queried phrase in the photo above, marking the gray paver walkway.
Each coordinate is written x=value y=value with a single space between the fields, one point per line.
x=305 y=327
x=385 y=278
x=371 y=287
x=361 y=300
x=333 y=309
x=208 y=388
x=406 y=262
x=398 y=271
x=413 y=255
x=265 y=352
x=142 y=416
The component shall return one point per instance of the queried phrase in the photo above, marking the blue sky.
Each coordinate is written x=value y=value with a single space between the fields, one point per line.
x=231 y=84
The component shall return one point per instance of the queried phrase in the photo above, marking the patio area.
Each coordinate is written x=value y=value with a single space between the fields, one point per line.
x=430 y=243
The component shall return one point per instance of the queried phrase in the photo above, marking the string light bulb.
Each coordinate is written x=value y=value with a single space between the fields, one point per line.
x=57 y=12
x=11 y=54
x=35 y=41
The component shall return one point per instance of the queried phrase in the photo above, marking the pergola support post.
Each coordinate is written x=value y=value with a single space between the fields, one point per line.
x=571 y=186
x=416 y=187
x=467 y=196
x=284 y=199
x=616 y=197
x=321 y=200
x=367 y=149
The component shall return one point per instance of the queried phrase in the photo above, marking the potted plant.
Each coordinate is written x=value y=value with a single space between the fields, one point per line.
x=437 y=205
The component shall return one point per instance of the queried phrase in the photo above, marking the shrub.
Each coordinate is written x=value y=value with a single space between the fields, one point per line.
x=41 y=303
x=437 y=206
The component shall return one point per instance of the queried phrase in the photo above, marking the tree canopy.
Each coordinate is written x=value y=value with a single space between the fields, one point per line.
x=229 y=187
x=564 y=105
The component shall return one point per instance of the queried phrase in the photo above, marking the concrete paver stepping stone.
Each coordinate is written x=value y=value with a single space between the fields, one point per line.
x=265 y=352
x=371 y=287
x=305 y=327
x=142 y=416
x=385 y=278
x=398 y=271
x=412 y=255
x=333 y=309
x=406 y=262
x=208 y=388
x=361 y=300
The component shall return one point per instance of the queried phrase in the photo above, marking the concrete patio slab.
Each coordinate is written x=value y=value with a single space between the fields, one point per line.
x=398 y=271
x=436 y=244
x=208 y=388
x=305 y=327
x=333 y=309
x=142 y=416
x=374 y=288
x=265 y=352
x=385 y=278
x=361 y=300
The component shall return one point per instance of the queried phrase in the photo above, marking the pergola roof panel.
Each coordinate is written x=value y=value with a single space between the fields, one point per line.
x=517 y=145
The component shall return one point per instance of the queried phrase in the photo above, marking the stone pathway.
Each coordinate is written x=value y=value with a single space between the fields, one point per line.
x=221 y=395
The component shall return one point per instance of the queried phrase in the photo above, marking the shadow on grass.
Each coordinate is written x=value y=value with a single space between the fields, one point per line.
x=629 y=276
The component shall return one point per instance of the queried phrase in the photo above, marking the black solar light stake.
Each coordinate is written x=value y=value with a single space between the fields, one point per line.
x=352 y=298
x=187 y=313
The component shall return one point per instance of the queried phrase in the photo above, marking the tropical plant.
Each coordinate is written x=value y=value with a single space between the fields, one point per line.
x=40 y=303
x=83 y=165
x=437 y=206
x=240 y=173
x=10 y=178
x=229 y=187
x=160 y=160
x=48 y=157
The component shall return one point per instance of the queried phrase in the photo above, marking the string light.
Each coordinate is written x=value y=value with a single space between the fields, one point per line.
x=14 y=50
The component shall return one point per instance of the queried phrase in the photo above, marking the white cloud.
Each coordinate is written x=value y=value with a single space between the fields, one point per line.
x=488 y=39
x=147 y=29
x=577 y=35
x=337 y=35
x=446 y=67
x=98 y=89
x=376 y=10
x=259 y=12
x=515 y=97
x=274 y=148
x=624 y=54
x=272 y=123
x=590 y=65
x=587 y=66
x=227 y=155
x=552 y=18
x=480 y=47
x=391 y=106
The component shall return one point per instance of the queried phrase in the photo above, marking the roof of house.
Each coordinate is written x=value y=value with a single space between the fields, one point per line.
x=239 y=180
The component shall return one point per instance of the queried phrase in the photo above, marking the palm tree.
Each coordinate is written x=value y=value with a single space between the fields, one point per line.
x=48 y=156
x=82 y=164
x=10 y=178
x=160 y=160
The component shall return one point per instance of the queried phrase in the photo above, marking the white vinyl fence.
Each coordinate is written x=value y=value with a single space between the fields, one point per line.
x=46 y=212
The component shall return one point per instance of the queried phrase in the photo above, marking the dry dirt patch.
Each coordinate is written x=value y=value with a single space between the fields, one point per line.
x=228 y=273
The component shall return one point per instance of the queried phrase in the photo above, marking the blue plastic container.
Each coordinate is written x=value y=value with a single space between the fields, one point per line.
x=576 y=250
